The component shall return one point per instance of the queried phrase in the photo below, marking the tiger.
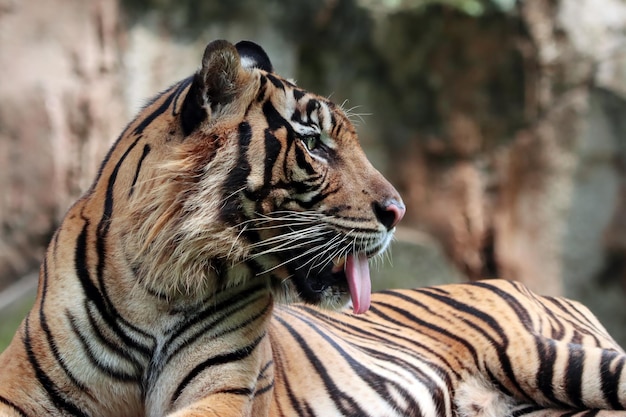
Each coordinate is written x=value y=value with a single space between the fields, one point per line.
x=219 y=266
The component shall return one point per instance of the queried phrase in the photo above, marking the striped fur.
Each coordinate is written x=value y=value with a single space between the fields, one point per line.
x=490 y=348
x=232 y=190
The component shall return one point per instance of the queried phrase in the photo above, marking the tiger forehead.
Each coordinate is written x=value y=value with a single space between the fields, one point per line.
x=307 y=112
x=324 y=114
x=313 y=111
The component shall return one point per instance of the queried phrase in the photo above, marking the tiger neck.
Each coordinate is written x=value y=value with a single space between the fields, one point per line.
x=245 y=297
x=202 y=284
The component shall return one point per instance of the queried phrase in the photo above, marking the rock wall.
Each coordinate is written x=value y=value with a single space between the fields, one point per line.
x=60 y=108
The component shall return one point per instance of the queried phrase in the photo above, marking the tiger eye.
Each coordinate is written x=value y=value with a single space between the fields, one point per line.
x=311 y=142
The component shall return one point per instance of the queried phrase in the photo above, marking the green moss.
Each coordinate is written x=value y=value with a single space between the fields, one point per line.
x=11 y=318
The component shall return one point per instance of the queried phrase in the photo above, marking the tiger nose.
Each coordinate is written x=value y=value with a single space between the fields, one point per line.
x=389 y=213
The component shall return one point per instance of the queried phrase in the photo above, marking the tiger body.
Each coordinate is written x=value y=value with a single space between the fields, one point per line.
x=234 y=190
x=448 y=351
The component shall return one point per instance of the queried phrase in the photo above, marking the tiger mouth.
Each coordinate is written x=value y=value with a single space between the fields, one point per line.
x=347 y=275
x=338 y=264
x=357 y=272
x=315 y=277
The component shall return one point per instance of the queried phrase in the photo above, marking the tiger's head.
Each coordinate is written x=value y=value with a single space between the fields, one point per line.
x=244 y=177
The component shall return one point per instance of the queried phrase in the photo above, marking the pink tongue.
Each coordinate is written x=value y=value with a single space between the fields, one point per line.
x=358 y=274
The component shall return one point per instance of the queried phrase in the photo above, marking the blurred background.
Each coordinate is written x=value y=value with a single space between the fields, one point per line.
x=501 y=122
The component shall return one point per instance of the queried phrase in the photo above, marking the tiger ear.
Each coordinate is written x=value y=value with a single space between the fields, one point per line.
x=253 y=56
x=215 y=84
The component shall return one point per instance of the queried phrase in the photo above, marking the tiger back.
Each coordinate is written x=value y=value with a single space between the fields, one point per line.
x=232 y=194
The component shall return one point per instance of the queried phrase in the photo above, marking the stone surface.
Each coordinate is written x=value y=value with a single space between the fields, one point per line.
x=60 y=108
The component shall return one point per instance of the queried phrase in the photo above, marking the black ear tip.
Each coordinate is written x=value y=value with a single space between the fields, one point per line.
x=253 y=56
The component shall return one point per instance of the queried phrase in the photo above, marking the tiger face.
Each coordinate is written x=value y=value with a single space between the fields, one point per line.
x=256 y=179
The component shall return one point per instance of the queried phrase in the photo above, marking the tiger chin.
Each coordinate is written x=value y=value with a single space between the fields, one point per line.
x=235 y=189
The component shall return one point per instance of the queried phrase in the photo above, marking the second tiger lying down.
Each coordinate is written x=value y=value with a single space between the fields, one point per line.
x=235 y=189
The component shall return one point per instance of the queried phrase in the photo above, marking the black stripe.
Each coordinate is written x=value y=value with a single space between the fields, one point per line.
x=93 y=294
x=344 y=403
x=308 y=411
x=277 y=83
x=388 y=338
x=276 y=121
x=11 y=404
x=311 y=107
x=160 y=360
x=390 y=389
x=590 y=413
x=51 y=389
x=333 y=120
x=297 y=118
x=80 y=266
x=193 y=111
x=265 y=389
x=146 y=151
x=101 y=251
x=262 y=88
x=577 y=320
x=230 y=211
x=526 y=410
x=438 y=290
x=234 y=356
x=301 y=161
x=177 y=94
x=546 y=352
x=577 y=338
x=272 y=150
x=511 y=300
x=574 y=374
x=107 y=157
x=293 y=187
x=105 y=162
x=236 y=391
x=285 y=384
x=48 y=333
x=315 y=200
x=119 y=349
x=496 y=382
x=298 y=94
x=229 y=306
x=105 y=220
x=423 y=323
x=611 y=377
x=164 y=106
x=94 y=358
x=337 y=128
x=293 y=400
x=263 y=377
x=591 y=328
x=557 y=324
x=524 y=320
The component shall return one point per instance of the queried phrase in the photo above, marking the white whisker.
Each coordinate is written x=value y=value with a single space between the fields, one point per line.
x=287 y=261
x=232 y=246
